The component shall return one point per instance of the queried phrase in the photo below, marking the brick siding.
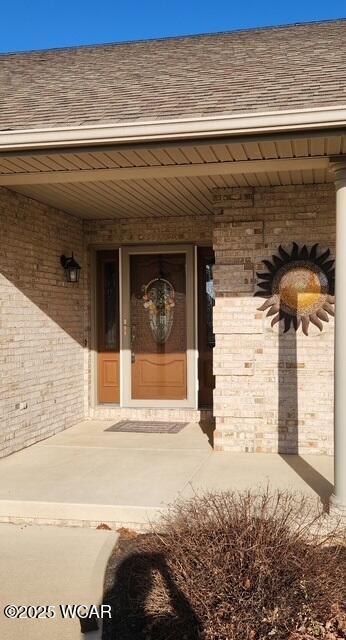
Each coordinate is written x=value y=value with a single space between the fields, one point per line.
x=41 y=323
x=274 y=391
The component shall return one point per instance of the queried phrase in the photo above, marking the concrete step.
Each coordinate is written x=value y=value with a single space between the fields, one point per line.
x=138 y=518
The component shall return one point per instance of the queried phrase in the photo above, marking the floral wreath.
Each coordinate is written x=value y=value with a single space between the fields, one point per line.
x=166 y=301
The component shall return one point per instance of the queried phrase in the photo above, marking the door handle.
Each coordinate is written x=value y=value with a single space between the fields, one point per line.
x=133 y=333
x=133 y=336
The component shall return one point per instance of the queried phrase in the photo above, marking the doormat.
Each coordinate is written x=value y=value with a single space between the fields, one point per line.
x=137 y=426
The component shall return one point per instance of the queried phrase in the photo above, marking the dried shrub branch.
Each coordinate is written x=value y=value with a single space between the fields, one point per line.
x=238 y=566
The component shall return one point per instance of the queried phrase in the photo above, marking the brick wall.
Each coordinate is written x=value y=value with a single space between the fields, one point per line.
x=41 y=323
x=149 y=231
x=274 y=391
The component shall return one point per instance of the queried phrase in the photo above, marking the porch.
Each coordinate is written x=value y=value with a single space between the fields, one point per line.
x=242 y=197
x=87 y=475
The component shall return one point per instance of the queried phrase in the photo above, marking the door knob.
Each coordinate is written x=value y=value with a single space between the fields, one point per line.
x=133 y=333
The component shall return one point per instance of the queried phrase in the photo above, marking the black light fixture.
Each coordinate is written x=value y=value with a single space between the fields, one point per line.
x=72 y=268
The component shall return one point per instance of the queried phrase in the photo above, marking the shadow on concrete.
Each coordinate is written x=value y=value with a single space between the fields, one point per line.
x=288 y=416
x=207 y=427
x=318 y=483
x=131 y=599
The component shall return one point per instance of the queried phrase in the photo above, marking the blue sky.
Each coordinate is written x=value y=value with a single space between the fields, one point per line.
x=41 y=24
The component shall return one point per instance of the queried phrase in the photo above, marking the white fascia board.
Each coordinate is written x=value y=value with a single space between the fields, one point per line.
x=187 y=128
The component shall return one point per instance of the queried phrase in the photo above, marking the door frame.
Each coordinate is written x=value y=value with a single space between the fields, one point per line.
x=126 y=400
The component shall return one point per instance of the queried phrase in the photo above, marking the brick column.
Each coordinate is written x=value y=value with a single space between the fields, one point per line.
x=274 y=391
x=238 y=403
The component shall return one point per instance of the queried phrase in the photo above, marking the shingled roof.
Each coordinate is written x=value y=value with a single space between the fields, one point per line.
x=271 y=69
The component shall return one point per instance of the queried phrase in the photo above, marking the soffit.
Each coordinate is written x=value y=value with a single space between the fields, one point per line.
x=179 y=177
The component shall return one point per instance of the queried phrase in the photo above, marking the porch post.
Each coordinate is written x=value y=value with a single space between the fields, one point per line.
x=339 y=497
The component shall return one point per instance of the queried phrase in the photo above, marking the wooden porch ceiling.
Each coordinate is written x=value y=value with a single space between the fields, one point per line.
x=170 y=180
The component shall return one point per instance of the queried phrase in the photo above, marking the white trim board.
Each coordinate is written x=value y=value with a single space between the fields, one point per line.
x=183 y=128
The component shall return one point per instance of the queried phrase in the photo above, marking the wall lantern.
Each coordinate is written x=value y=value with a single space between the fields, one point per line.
x=72 y=268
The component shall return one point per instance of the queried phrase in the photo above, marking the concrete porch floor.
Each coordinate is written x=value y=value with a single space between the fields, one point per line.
x=85 y=476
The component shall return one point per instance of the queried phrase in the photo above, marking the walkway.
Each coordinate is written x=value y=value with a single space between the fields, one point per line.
x=51 y=566
x=86 y=475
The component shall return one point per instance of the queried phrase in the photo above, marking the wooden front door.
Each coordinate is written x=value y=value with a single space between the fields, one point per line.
x=107 y=300
x=158 y=326
x=158 y=329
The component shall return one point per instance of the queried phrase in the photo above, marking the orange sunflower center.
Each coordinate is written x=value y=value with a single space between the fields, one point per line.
x=301 y=290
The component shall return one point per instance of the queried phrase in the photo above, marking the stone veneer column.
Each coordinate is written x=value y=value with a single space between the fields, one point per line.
x=238 y=326
x=339 y=497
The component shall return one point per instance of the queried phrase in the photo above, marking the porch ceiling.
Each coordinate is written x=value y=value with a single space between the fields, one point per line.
x=171 y=180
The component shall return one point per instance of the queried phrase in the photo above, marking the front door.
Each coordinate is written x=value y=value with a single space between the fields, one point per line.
x=159 y=354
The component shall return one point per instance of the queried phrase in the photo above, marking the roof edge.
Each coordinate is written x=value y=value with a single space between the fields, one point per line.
x=174 y=129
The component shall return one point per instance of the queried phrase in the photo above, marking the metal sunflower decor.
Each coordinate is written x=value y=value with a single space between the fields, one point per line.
x=299 y=287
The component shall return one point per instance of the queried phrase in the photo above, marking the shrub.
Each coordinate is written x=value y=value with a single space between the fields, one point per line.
x=234 y=566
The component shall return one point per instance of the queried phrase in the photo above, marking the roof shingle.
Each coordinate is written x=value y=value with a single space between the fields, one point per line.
x=273 y=69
